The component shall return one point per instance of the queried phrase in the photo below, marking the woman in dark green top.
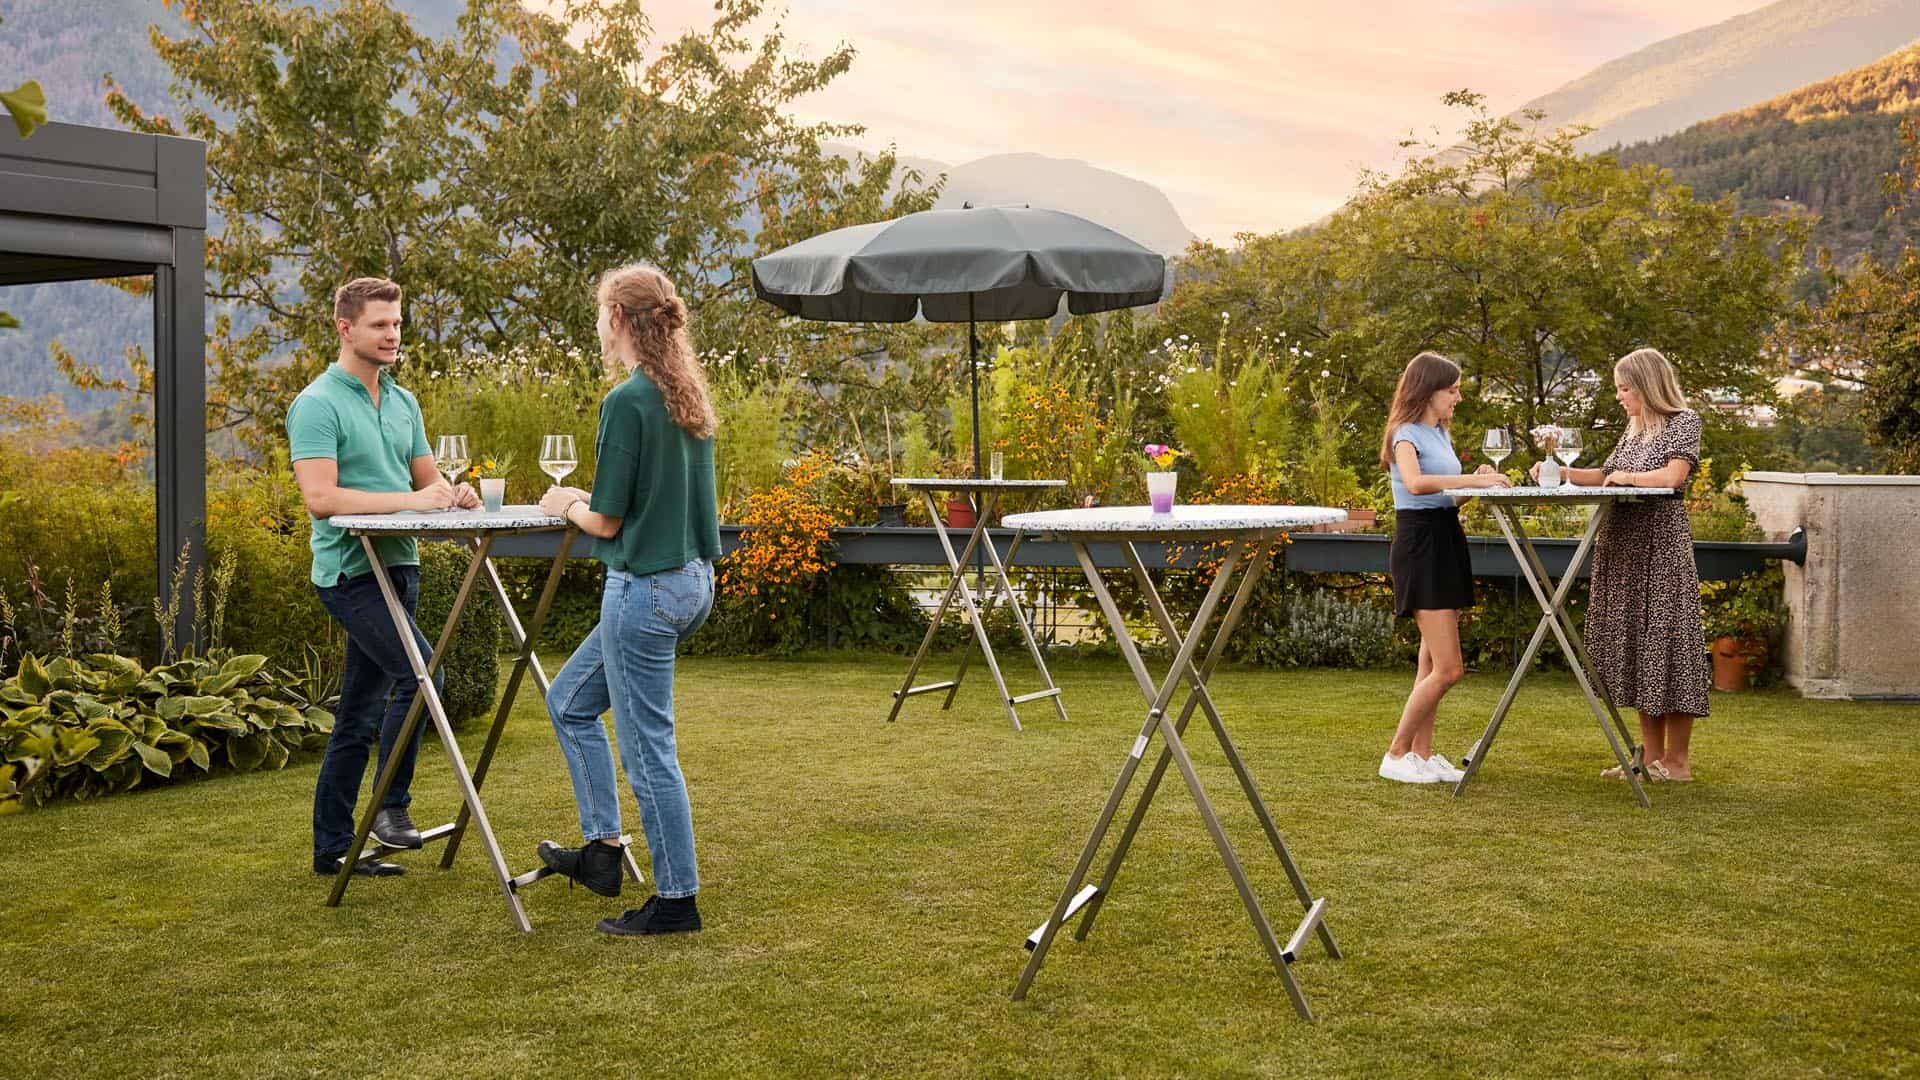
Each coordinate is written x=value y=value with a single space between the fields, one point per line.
x=657 y=528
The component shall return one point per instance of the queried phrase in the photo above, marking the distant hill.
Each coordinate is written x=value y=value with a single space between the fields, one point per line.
x=1728 y=66
x=1133 y=208
x=1822 y=148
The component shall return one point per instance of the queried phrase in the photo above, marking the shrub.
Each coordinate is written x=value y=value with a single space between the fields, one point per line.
x=472 y=663
x=1320 y=629
x=78 y=728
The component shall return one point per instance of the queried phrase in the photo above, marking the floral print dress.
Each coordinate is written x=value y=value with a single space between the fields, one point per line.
x=1643 y=617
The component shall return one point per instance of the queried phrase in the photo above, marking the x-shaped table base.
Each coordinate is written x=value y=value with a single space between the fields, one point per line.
x=428 y=700
x=985 y=506
x=1554 y=617
x=1252 y=553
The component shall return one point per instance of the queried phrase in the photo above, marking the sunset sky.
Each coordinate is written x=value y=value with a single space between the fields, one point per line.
x=1250 y=114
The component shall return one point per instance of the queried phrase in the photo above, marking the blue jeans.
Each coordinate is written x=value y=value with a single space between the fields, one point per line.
x=626 y=664
x=376 y=688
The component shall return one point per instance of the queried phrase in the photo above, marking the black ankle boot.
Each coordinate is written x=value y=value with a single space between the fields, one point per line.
x=657 y=916
x=595 y=865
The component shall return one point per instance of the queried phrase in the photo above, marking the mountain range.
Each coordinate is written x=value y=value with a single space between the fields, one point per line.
x=1822 y=149
x=1750 y=106
x=1728 y=66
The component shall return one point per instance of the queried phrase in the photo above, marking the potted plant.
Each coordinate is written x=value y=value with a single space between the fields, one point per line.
x=489 y=475
x=1161 y=479
x=960 y=511
x=1740 y=617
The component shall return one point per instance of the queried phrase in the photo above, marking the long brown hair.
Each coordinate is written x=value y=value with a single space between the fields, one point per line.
x=1427 y=374
x=651 y=315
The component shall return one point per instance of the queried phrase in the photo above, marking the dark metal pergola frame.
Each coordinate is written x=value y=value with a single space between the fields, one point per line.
x=83 y=203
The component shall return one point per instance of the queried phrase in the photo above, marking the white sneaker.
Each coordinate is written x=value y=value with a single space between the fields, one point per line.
x=1407 y=769
x=1443 y=770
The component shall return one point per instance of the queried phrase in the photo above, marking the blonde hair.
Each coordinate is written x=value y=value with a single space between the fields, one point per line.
x=1426 y=375
x=1648 y=374
x=653 y=318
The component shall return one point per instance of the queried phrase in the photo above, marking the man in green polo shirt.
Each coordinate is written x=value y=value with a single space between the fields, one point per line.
x=360 y=447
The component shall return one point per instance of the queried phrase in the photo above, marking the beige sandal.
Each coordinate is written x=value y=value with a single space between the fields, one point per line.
x=1657 y=772
x=1614 y=772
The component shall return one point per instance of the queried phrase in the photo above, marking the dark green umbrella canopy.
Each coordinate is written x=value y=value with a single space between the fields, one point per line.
x=989 y=264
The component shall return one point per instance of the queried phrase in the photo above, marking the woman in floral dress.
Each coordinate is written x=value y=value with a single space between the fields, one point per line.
x=1643 y=626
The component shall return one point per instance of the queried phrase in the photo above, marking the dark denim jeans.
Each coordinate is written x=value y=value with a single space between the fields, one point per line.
x=376 y=688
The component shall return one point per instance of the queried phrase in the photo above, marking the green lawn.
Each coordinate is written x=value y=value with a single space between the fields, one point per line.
x=867 y=887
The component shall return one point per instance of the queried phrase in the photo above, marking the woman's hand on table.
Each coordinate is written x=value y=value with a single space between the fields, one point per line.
x=465 y=497
x=557 y=499
x=1618 y=479
x=1488 y=476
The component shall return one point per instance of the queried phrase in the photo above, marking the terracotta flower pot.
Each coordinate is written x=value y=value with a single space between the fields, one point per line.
x=959 y=513
x=1729 y=664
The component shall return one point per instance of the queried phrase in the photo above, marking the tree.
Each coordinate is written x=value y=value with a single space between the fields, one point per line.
x=494 y=173
x=1871 y=320
x=27 y=105
x=1532 y=265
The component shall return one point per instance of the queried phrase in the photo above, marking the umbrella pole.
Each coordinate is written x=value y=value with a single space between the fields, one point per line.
x=973 y=374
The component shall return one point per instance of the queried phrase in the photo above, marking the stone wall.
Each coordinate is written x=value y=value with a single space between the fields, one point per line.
x=1853 y=629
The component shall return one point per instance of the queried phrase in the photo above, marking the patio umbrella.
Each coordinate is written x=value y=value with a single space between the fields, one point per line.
x=990 y=264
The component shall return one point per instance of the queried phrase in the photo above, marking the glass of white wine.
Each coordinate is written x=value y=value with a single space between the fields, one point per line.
x=450 y=457
x=1496 y=446
x=557 y=458
x=1567 y=449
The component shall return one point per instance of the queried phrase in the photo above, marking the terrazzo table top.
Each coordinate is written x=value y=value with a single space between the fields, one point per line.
x=449 y=522
x=1189 y=522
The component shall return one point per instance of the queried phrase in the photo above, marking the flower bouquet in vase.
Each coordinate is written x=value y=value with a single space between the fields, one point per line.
x=1161 y=478
x=489 y=474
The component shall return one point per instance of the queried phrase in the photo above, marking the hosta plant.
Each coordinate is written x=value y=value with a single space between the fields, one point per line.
x=75 y=728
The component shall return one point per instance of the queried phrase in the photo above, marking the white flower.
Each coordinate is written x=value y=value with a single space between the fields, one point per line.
x=1324 y=373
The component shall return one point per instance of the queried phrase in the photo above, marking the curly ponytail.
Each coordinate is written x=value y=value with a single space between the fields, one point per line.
x=653 y=318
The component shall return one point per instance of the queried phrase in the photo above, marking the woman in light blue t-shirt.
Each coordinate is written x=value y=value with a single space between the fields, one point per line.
x=1432 y=574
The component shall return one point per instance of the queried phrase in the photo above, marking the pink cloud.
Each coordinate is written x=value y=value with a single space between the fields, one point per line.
x=1251 y=114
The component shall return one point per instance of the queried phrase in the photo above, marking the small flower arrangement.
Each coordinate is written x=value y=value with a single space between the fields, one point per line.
x=491 y=468
x=1162 y=455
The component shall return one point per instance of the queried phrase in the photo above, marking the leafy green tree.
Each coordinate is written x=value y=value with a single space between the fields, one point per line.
x=27 y=105
x=1531 y=264
x=494 y=173
x=1872 y=317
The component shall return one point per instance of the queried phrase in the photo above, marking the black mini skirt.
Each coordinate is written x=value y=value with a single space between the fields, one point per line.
x=1431 y=567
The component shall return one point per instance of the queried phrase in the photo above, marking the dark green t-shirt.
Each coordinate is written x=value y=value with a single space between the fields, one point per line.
x=655 y=477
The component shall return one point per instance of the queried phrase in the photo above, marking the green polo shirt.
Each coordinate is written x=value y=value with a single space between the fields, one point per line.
x=334 y=417
x=657 y=479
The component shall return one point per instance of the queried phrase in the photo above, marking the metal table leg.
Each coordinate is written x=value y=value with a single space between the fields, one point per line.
x=957 y=587
x=1074 y=898
x=1555 y=619
x=430 y=695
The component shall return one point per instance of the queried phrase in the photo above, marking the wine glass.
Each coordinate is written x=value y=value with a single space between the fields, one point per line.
x=557 y=458
x=450 y=457
x=1567 y=449
x=1496 y=446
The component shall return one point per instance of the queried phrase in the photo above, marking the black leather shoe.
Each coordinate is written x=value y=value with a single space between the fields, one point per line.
x=656 y=916
x=394 y=829
x=329 y=865
x=595 y=865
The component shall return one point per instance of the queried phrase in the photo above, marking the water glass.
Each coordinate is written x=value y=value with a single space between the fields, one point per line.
x=997 y=465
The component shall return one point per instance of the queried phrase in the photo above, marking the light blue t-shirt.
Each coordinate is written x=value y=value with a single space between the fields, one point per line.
x=1437 y=458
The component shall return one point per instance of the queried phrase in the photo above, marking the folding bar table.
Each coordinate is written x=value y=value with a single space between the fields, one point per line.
x=478 y=529
x=1250 y=534
x=984 y=496
x=1505 y=505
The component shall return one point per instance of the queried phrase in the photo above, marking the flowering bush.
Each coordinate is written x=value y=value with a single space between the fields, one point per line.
x=790 y=533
